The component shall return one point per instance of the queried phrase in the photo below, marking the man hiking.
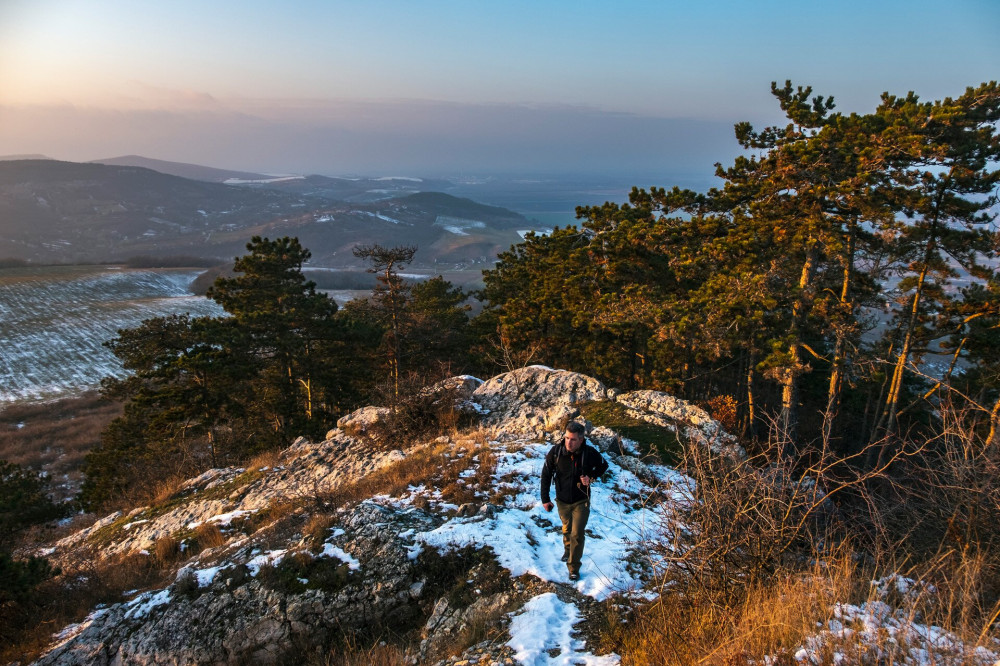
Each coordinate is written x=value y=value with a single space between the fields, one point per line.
x=574 y=465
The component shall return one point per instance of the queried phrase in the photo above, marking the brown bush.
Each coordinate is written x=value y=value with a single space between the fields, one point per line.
x=266 y=459
x=165 y=490
x=768 y=544
x=724 y=409
x=166 y=550
x=67 y=599
x=317 y=529
x=209 y=535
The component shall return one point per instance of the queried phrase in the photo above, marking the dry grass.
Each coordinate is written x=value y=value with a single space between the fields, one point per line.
x=61 y=601
x=353 y=654
x=776 y=619
x=317 y=529
x=209 y=535
x=265 y=460
x=54 y=437
x=437 y=466
x=686 y=629
x=166 y=550
x=770 y=544
x=166 y=489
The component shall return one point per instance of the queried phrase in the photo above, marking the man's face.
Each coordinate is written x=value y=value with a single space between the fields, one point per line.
x=573 y=442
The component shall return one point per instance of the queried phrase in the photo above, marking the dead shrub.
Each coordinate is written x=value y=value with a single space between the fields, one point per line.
x=767 y=545
x=265 y=460
x=317 y=529
x=166 y=550
x=724 y=409
x=166 y=489
x=209 y=535
x=747 y=519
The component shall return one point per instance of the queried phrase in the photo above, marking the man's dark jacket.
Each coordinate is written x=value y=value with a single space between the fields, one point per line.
x=567 y=468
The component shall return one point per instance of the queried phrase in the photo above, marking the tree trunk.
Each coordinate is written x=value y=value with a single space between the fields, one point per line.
x=888 y=421
x=751 y=405
x=993 y=439
x=840 y=347
x=789 y=376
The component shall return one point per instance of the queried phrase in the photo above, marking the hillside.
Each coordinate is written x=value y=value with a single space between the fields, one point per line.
x=66 y=212
x=354 y=190
x=432 y=550
x=191 y=171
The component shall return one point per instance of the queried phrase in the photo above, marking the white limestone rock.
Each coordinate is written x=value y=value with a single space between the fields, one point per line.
x=536 y=399
x=686 y=419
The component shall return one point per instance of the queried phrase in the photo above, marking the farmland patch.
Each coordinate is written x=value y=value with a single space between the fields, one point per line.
x=53 y=323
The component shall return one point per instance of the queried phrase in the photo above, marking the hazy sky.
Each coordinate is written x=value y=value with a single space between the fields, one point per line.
x=467 y=86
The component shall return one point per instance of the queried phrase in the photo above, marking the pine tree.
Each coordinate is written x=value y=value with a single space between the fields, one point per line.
x=943 y=174
x=288 y=332
x=210 y=391
x=390 y=297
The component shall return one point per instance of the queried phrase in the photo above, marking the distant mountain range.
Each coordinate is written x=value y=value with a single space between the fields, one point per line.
x=53 y=211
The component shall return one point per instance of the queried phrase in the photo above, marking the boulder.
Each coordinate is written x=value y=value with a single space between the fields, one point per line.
x=688 y=420
x=536 y=399
x=362 y=421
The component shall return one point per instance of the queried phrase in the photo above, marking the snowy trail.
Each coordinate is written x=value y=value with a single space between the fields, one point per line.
x=545 y=626
x=526 y=540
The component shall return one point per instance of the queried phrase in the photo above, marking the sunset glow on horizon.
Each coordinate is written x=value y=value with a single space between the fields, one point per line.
x=84 y=80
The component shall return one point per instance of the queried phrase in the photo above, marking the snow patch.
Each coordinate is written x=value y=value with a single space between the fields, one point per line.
x=544 y=628
x=329 y=550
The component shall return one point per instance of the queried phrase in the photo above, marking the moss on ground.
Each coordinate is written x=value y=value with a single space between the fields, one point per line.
x=113 y=532
x=301 y=571
x=652 y=439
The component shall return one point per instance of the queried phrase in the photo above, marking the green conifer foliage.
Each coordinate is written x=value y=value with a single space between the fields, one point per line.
x=942 y=174
x=210 y=391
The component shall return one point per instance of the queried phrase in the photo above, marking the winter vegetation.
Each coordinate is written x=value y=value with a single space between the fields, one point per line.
x=791 y=481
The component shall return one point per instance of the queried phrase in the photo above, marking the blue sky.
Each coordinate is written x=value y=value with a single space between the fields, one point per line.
x=338 y=87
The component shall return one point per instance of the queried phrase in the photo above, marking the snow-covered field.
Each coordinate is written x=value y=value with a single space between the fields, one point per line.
x=53 y=323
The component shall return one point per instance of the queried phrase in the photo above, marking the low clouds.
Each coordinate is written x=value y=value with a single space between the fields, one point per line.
x=371 y=137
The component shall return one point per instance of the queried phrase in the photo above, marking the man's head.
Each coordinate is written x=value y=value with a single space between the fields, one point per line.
x=574 y=436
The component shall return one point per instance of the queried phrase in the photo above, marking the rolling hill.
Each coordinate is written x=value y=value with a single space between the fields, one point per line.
x=192 y=171
x=53 y=211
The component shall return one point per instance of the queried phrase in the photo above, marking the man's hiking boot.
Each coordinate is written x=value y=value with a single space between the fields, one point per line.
x=574 y=576
x=565 y=557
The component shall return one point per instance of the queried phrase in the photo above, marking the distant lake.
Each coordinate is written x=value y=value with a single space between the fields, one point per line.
x=53 y=321
x=552 y=201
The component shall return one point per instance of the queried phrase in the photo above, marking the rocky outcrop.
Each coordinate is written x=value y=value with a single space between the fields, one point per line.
x=305 y=471
x=278 y=581
x=256 y=604
x=688 y=420
x=536 y=399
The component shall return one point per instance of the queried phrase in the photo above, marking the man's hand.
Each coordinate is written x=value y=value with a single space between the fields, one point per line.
x=547 y=506
x=585 y=480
